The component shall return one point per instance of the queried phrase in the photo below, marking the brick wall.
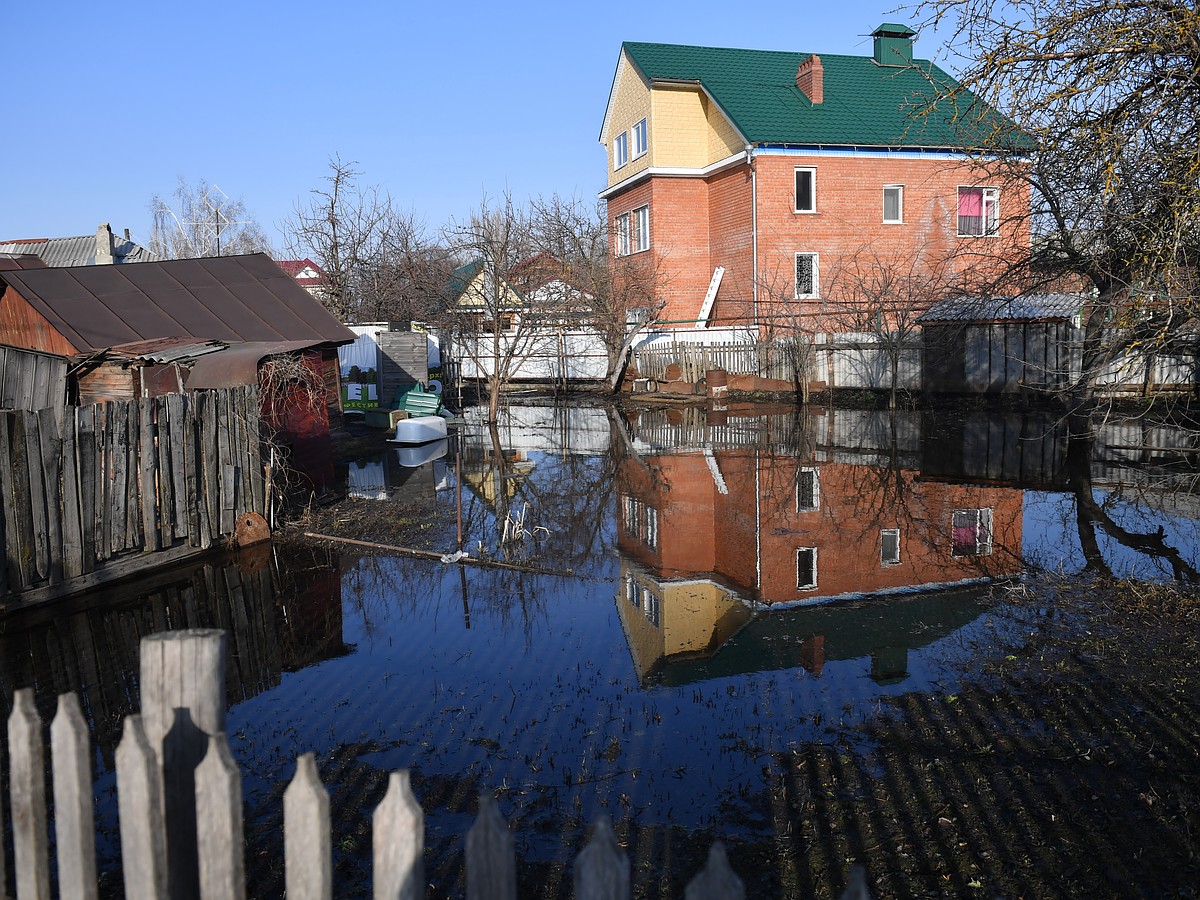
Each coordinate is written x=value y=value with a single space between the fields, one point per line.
x=697 y=224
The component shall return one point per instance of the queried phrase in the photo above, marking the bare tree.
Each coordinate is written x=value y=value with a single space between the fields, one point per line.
x=496 y=328
x=1109 y=95
x=201 y=220
x=882 y=296
x=623 y=294
x=379 y=264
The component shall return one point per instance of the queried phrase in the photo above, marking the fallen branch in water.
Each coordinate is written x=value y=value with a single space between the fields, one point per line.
x=433 y=554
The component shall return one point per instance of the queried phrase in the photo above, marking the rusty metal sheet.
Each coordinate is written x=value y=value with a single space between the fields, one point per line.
x=238 y=364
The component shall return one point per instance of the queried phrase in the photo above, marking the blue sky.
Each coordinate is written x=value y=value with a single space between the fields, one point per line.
x=438 y=103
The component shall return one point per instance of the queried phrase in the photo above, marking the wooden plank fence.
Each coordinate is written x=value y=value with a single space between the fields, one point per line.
x=179 y=800
x=93 y=492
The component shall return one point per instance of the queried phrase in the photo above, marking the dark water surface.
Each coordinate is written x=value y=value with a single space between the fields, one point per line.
x=731 y=586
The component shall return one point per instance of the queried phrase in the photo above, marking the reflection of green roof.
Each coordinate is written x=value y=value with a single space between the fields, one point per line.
x=865 y=104
x=773 y=640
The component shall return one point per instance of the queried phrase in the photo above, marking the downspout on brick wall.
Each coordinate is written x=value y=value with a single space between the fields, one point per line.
x=753 y=234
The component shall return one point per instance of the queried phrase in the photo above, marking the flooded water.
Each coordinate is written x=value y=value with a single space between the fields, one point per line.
x=690 y=594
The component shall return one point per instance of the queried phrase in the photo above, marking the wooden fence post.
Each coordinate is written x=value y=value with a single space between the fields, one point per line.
x=399 y=842
x=219 y=836
x=139 y=807
x=183 y=705
x=27 y=796
x=306 y=841
x=602 y=869
x=74 y=820
x=491 y=855
x=716 y=881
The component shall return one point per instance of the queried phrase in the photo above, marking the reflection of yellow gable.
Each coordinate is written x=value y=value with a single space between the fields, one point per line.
x=485 y=481
x=695 y=619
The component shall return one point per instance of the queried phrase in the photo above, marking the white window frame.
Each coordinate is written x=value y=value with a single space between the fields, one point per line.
x=620 y=150
x=812 y=189
x=640 y=236
x=989 y=220
x=801 y=505
x=641 y=138
x=623 y=234
x=813 y=584
x=816 y=276
x=899 y=189
x=884 y=558
x=981 y=522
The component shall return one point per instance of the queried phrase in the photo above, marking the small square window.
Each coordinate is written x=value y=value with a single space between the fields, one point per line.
x=806 y=190
x=978 y=211
x=621 y=150
x=808 y=490
x=893 y=203
x=889 y=553
x=806 y=568
x=972 y=532
x=623 y=234
x=807 y=276
x=640 y=239
x=640 y=137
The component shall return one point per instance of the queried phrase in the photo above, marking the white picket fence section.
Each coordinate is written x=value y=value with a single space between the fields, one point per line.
x=180 y=807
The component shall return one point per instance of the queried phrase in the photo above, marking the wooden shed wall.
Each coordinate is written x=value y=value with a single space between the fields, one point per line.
x=23 y=326
x=31 y=380
x=405 y=360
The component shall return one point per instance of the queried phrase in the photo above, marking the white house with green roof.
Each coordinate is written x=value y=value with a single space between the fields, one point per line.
x=767 y=185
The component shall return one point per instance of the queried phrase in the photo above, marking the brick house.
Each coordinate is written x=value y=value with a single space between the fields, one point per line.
x=765 y=182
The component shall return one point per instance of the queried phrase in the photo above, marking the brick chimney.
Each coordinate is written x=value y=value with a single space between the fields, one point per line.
x=104 y=245
x=810 y=79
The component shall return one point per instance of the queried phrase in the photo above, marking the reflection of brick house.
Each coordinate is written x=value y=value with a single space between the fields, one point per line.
x=782 y=528
x=757 y=179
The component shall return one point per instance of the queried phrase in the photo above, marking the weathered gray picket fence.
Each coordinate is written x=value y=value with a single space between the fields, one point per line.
x=93 y=493
x=180 y=807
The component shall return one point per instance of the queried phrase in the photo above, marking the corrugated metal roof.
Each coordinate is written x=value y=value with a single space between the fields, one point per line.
x=238 y=364
x=167 y=350
x=865 y=104
x=76 y=251
x=1004 y=309
x=224 y=298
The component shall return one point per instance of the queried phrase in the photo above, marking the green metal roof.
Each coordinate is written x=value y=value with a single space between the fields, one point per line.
x=865 y=104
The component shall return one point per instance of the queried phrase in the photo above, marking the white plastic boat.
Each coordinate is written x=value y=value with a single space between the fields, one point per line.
x=419 y=430
x=413 y=455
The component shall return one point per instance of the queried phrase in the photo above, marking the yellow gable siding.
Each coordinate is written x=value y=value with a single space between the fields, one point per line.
x=688 y=130
x=631 y=105
x=723 y=139
x=478 y=293
x=678 y=130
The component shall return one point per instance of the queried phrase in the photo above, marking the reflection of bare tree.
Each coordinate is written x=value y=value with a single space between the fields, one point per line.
x=1091 y=514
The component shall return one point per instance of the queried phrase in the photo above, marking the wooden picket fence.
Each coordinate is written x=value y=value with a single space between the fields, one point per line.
x=180 y=807
x=93 y=492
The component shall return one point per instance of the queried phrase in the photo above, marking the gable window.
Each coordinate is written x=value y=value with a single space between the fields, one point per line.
x=978 y=211
x=893 y=203
x=807 y=275
x=972 y=532
x=806 y=190
x=808 y=490
x=623 y=234
x=806 y=568
x=640 y=136
x=640 y=239
x=620 y=149
x=889 y=553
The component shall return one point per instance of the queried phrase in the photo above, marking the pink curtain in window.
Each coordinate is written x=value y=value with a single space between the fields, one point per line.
x=970 y=202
